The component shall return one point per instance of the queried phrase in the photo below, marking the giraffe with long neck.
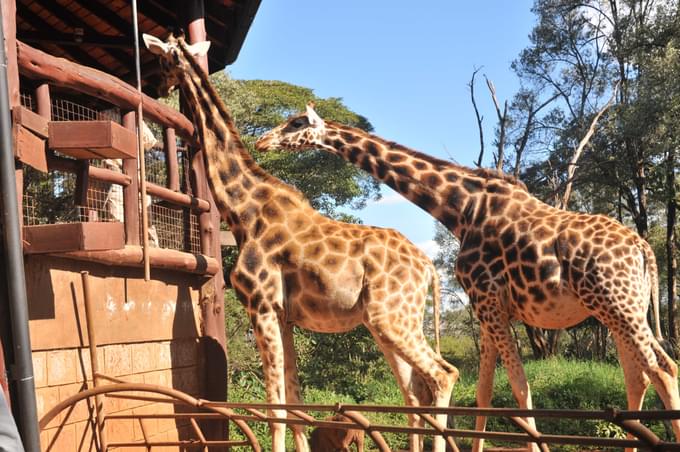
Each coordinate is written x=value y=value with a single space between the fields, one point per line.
x=297 y=267
x=519 y=258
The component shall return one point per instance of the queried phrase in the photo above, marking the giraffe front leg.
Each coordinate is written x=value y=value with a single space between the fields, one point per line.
x=269 y=343
x=507 y=348
x=293 y=384
x=487 y=368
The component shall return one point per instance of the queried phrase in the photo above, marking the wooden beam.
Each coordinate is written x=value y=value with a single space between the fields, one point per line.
x=72 y=20
x=70 y=39
x=55 y=163
x=162 y=258
x=227 y=238
x=56 y=238
x=179 y=199
x=29 y=148
x=172 y=165
x=32 y=121
x=36 y=64
x=39 y=23
x=131 y=192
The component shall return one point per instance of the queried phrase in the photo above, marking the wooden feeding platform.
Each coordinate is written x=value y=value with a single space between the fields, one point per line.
x=92 y=139
x=90 y=236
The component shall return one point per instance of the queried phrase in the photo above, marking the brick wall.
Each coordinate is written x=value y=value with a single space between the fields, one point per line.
x=60 y=374
x=147 y=331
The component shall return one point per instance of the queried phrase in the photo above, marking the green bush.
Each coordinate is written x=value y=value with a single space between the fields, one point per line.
x=560 y=384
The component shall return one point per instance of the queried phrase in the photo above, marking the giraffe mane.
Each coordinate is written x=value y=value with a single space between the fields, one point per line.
x=485 y=173
x=236 y=140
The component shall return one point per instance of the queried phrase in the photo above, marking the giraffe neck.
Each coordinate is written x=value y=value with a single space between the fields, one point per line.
x=239 y=185
x=453 y=194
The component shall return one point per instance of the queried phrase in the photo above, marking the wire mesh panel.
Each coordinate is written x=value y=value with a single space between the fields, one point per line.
x=156 y=168
x=67 y=110
x=26 y=100
x=173 y=228
x=50 y=199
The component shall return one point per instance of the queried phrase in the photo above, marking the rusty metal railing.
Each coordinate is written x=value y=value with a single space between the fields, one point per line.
x=243 y=414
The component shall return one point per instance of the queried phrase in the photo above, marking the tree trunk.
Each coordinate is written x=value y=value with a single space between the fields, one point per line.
x=671 y=263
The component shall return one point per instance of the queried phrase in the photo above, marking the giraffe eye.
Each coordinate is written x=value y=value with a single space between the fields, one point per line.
x=298 y=123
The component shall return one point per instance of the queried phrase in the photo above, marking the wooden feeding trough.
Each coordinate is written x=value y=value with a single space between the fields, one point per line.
x=92 y=139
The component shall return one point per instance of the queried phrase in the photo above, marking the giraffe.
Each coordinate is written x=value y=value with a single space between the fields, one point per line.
x=298 y=267
x=519 y=259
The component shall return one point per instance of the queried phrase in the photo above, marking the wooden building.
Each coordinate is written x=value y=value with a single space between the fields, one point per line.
x=72 y=95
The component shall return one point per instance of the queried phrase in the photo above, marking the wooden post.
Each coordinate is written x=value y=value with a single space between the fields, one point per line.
x=170 y=149
x=212 y=293
x=100 y=413
x=131 y=192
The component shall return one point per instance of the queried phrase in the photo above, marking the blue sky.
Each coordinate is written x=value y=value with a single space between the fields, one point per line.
x=403 y=65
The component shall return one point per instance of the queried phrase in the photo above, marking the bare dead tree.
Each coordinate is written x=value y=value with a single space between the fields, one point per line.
x=480 y=118
x=521 y=144
x=502 y=123
x=571 y=167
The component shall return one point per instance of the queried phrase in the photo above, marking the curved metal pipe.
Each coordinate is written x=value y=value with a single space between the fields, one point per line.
x=172 y=393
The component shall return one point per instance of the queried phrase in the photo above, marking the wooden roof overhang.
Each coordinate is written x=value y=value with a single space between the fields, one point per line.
x=98 y=33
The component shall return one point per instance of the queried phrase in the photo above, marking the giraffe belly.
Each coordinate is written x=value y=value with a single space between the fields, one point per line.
x=559 y=311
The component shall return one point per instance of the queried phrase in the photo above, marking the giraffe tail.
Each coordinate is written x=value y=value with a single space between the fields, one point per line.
x=654 y=289
x=436 y=302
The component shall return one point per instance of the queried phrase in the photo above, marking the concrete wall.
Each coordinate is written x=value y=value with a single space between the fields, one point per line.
x=148 y=332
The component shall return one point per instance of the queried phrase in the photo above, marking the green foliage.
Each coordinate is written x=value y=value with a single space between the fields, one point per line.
x=560 y=384
x=328 y=181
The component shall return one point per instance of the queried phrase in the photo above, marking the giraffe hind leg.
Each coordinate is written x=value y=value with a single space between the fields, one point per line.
x=637 y=344
x=439 y=375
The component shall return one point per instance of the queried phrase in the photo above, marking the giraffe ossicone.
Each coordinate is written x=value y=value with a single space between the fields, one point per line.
x=297 y=267
x=519 y=258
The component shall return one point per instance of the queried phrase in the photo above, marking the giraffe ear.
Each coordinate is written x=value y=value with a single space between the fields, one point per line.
x=314 y=118
x=199 y=49
x=155 y=45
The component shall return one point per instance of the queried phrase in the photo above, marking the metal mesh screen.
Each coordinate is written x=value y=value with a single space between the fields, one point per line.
x=67 y=110
x=50 y=199
x=156 y=171
x=173 y=228
x=26 y=100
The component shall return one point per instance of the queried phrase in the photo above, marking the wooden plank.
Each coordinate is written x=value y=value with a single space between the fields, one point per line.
x=177 y=198
x=168 y=259
x=57 y=238
x=92 y=139
x=227 y=238
x=32 y=121
x=172 y=165
x=131 y=192
x=29 y=148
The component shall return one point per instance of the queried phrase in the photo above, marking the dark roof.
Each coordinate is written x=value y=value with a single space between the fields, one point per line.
x=98 y=33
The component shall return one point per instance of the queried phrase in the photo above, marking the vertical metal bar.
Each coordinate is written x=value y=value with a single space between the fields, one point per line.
x=140 y=146
x=13 y=259
x=199 y=433
x=100 y=413
x=144 y=434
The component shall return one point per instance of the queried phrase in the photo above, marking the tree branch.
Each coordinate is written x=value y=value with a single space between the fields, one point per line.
x=571 y=168
x=480 y=118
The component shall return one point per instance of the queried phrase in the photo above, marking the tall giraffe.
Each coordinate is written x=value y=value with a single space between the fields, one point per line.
x=520 y=259
x=297 y=267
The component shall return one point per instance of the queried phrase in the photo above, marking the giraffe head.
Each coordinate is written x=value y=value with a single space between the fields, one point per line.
x=304 y=131
x=172 y=59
